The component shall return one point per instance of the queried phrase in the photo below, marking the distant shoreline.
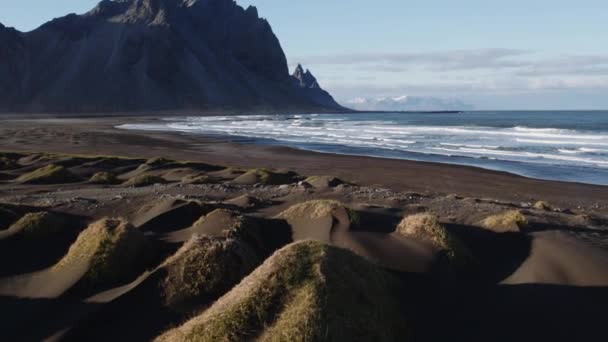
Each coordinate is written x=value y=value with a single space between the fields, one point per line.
x=83 y=136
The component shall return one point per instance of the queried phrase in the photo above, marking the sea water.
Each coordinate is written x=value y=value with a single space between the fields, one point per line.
x=556 y=145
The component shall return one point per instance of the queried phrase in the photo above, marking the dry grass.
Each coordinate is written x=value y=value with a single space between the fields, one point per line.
x=104 y=178
x=318 y=219
x=157 y=162
x=50 y=174
x=113 y=250
x=246 y=202
x=144 y=180
x=306 y=291
x=312 y=209
x=204 y=269
x=197 y=179
x=38 y=225
x=542 y=205
x=426 y=227
x=266 y=177
x=509 y=221
x=323 y=182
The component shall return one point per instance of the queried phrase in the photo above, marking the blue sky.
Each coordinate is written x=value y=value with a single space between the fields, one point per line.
x=534 y=54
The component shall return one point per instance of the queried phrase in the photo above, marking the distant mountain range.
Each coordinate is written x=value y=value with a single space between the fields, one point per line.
x=153 y=55
x=408 y=103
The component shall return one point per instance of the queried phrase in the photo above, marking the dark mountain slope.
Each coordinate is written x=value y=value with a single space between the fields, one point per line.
x=145 y=55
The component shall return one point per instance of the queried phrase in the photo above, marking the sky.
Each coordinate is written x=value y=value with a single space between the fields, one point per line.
x=517 y=54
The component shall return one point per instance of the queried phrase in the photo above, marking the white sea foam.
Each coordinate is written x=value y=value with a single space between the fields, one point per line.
x=519 y=143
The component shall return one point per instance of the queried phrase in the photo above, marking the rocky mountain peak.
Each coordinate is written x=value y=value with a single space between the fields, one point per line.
x=305 y=79
x=140 y=55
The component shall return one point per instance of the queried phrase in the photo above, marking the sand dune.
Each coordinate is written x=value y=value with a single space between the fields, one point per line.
x=557 y=259
x=226 y=260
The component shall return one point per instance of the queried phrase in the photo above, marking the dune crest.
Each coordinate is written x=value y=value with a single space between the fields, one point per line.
x=306 y=291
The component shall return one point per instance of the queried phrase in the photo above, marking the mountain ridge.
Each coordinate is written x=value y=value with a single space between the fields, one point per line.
x=152 y=55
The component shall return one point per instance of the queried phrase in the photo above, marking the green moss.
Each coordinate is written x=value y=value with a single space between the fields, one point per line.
x=104 y=178
x=307 y=291
x=50 y=174
x=426 y=227
x=145 y=180
x=38 y=225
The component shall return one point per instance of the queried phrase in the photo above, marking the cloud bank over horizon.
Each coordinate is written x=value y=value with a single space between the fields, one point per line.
x=408 y=103
x=492 y=78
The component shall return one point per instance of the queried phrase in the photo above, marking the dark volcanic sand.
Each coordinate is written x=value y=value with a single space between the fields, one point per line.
x=545 y=280
x=98 y=136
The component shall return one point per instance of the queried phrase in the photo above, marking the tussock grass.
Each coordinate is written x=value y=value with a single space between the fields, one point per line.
x=144 y=180
x=312 y=209
x=50 y=174
x=266 y=177
x=197 y=179
x=204 y=269
x=112 y=249
x=317 y=219
x=323 y=182
x=542 y=205
x=246 y=202
x=157 y=162
x=104 y=178
x=307 y=291
x=426 y=227
x=509 y=221
x=38 y=225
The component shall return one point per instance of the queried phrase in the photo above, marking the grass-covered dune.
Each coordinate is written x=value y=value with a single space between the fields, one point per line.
x=109 y=251
x=307 y=291
x=50 y=174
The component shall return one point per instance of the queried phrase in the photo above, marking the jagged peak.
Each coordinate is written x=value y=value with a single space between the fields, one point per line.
x=304 y=78
x=299 y=70
x=158 y=12
x=109 y=8
x=252 y=11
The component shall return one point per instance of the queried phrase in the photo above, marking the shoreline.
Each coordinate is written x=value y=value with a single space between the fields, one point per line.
x=168 y=217
x=100 y=136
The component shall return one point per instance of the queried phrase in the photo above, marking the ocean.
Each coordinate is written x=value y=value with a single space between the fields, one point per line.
x=556 y=145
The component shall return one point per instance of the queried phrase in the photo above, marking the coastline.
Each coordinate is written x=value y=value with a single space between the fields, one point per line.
x=99 y=136
x=515 y=239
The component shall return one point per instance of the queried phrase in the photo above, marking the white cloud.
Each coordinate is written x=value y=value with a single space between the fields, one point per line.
x=408 y=103
x=468 y=74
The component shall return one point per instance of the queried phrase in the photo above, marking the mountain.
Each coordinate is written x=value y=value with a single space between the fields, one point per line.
x=408 y=103
x=309 y=86
x=146 y=55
